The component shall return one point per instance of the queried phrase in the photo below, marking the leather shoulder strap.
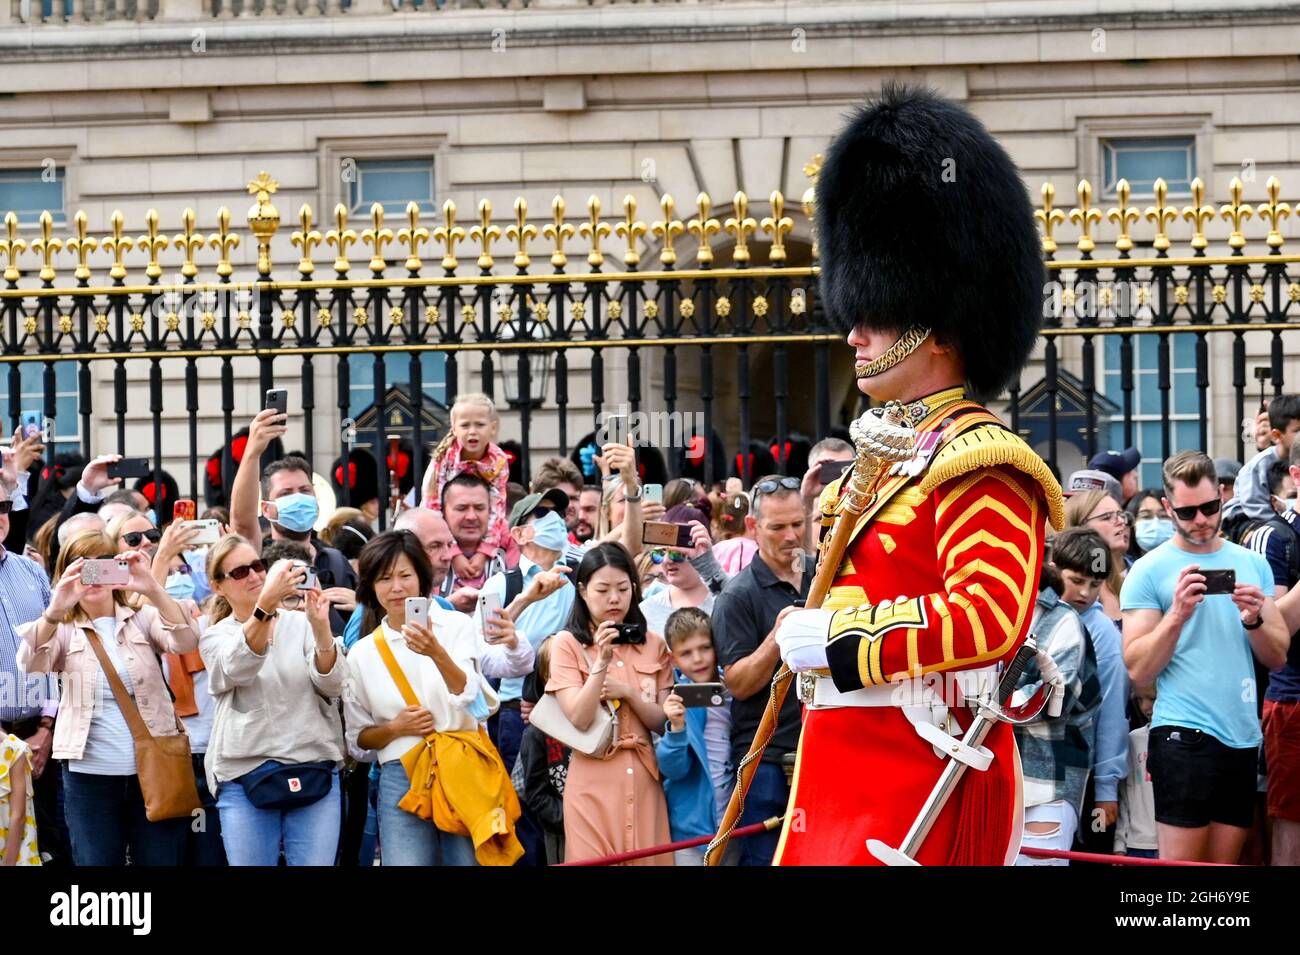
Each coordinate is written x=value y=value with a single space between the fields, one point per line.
x=130 y=711
x=394 y=668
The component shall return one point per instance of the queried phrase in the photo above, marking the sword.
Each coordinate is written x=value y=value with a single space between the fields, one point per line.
x=990 y=713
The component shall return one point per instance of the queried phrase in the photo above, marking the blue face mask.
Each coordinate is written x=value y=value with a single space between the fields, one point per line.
x=179 y=586
x=153 y=518
x=297 y=512
x=1153 y=531
x=549 y=532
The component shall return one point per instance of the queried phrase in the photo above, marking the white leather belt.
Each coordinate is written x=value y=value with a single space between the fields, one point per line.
x=819 y=692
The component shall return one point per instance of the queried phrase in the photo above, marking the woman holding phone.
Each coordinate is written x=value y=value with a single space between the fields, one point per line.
x=275 y=675
x=103 y=802
x=605 y=655
x=437 y=657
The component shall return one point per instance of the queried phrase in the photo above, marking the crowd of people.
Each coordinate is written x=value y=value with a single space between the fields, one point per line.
x=511 y=674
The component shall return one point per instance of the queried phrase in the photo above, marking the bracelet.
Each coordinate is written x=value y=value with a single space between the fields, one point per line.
x=1259 y=622
x=629 y=499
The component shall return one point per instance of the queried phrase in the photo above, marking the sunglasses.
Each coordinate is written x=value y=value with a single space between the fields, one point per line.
x=658 y=554
x=133 y=538
x=1209 y=509
x=769 y=486
x=6 y=507
x=239 y=573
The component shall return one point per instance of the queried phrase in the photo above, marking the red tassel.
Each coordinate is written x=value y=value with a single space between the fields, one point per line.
x=983 y=821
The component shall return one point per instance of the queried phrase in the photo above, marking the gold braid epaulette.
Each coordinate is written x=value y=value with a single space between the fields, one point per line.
x=989 y=446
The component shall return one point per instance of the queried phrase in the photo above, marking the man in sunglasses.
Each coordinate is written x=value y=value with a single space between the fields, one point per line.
x=932 y=268
x=1196 y=609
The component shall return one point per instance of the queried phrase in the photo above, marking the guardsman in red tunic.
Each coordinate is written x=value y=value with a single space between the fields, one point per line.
x=931 y=264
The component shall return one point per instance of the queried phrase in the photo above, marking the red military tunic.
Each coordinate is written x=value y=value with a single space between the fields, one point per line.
x=956 y=549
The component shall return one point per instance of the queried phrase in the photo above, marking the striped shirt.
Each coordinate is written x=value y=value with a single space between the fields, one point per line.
x=24 y=595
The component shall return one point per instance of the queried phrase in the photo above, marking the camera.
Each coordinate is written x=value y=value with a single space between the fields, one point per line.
x=629 y=633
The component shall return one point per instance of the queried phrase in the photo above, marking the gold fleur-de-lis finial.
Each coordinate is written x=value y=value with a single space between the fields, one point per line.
x=341 y=237
x=118 y=245
x=1161 y=215
x=741 y=226
x=1236 y=212
x=11 y=247
x=557 y=230
x=225 y=241
x=413 y=235
x=631 y=230
x=777 y=225
x=377 y=237
x=1124 y=214
x=1049 y=218
x=593 y=230
x=1085 y=217
x=1198 y=213
x=152 y=243
x=46 y=246
x=81 y=245
x=812 y=169
x=521 y=232
x=305 y=238
x=1272 y=211
x=703 y=227
x=188 y=241
x=449 y=235
x=485 y=233
x=667 y=229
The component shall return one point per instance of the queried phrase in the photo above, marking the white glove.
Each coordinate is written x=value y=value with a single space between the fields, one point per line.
x=802 y=639
x=1050 y=673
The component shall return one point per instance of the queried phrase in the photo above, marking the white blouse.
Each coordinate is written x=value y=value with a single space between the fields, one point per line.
x=373 y=698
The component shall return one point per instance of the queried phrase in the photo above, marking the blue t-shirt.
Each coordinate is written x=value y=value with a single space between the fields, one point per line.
x=1209 y=683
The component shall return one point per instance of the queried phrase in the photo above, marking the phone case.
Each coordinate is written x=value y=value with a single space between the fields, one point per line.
x=417 y=612
x=209 y=531
x=701 y=694
x=664 y=534
x=183 y=510
x=1219 y=581
x=111 y=573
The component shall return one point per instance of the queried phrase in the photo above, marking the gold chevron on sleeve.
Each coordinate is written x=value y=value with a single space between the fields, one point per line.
x=886 y=542
x=986 y=502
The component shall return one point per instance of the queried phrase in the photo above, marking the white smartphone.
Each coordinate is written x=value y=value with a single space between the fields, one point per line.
x=417 y=610
x=488 y=604
x=653 y=493
x=209 y=532
x=106 y=572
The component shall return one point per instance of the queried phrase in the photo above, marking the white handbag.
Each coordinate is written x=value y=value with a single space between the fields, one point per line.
x=599 y=740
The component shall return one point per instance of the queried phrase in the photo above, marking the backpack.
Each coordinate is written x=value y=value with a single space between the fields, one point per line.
x=1256 y=540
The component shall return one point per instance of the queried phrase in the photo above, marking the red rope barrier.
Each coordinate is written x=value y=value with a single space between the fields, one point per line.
x=674 y=846
x=1110 y=860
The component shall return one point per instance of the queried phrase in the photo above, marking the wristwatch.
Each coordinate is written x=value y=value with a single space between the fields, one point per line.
x=261 y=614
x=1259 y=622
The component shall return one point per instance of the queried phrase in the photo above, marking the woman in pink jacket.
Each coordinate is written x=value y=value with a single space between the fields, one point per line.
x=102 y=798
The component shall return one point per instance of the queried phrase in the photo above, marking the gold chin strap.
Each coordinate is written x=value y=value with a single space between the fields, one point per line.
x=907 y=343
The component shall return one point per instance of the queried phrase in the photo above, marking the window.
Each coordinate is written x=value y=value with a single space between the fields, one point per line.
x=393 y=183
x=1143 y=161
x=67 y=423
x=1184 y=432
x=397 y=367
x=29 y=192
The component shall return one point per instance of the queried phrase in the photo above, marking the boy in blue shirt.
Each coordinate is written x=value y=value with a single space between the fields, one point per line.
x=1196 y=644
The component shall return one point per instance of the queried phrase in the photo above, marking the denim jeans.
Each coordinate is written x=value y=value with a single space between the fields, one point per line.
x=506 y=730
x=406 y=839
x=309 y=834
x=767 y=797
x=204 y=847
x=106 y=817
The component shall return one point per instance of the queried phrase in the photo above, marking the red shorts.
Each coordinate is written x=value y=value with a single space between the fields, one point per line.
x=1282 y=754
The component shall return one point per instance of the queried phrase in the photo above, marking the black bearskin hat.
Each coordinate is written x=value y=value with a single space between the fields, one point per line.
x=215 y=493
x=362 y=477
x=923 y=220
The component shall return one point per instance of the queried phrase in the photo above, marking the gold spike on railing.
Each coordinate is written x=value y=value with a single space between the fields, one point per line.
x=1161 y=215
x=189 y=242
x=593 y=230
x=1235 y=212
x=341 y=237
x=46 y=246
x=11 y=247
x=809 y=200
x=521 y=233
x=1274 y=211
x=631 y=230
x=777 y=225
x=741 y=226
x=263 y=218
x=1085 y=217
x=151 y=243
x=225 y=241
x=703 y=227
x=413 y=235
x=81 y=245
x=485 y=233
x=557 y=230
x=1199 y=213
x=1049 y=218
x=118 y=244
x=305 y=238
x=377 y=237
x=1124 y=214
x=449 y=235
x=667 y=230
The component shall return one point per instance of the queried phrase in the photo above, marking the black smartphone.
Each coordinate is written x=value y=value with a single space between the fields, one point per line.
x=629 y=633
x=1219 y=581
x=830 y=470
x=277 y=399
x=130 y=468
x=701 y=694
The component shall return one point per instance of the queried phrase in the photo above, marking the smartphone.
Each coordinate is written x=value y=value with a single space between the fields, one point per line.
x=665 y=534
x=130 y=468
x=831 y=470
x=209 y=532
x=277 y=399
x=616 y=428
x=653 y=494
x=310 y=582
x=629 y=633
x=488 y=604
x=701 y=694
x=417 y=610
x=184 y=510
x=572 y=556
x=106 y=573
x=1219 y=581
x=32 y=423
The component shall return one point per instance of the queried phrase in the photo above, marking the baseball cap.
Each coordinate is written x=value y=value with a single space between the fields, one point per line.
x=1225 y=470
x=1082 y=481
x=1116 y=463
x=554 y=499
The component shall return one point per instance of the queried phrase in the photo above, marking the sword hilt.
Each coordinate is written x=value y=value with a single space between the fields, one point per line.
x=1016 y=669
